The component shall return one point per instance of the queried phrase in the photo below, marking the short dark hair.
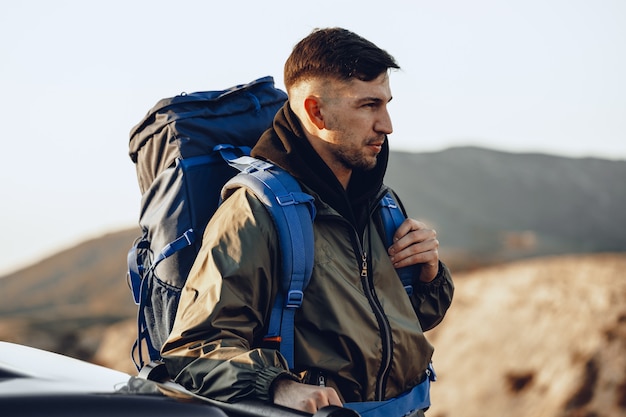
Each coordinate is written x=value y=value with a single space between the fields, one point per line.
x=336 y=52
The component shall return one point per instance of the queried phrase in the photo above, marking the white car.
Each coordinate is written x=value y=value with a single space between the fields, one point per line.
x=34 y=383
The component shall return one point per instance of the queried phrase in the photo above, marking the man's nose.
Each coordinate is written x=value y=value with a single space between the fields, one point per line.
x=383 y=124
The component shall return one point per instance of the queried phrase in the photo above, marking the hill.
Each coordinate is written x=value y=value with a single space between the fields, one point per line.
x=54 y=304
x=496 y=206
x=489 y=208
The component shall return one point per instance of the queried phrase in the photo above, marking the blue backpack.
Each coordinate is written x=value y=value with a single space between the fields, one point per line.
x=191 y=151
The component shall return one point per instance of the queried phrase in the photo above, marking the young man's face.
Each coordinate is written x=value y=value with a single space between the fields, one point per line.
x=356 y=121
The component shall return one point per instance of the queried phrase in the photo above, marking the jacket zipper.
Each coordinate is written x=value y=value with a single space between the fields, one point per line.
x=385 y=329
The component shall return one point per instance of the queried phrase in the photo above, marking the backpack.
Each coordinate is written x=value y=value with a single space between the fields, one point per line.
x=191 y=152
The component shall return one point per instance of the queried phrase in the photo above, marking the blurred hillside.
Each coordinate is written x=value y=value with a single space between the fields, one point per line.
x=64 y=302
x=535 y=338
x=518 y=334
x=493 y=206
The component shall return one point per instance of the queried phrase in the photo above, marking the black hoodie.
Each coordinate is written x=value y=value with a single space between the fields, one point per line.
x=286 y=145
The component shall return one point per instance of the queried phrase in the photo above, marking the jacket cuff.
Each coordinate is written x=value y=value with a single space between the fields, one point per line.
x=265 y=379
x=440 y=279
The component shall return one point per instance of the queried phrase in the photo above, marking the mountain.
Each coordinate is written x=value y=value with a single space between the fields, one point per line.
x=496 y=206
x=489 y=208
x=55 y=303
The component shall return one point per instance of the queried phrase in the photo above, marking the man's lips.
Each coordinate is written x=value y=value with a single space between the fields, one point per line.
x=378 y=146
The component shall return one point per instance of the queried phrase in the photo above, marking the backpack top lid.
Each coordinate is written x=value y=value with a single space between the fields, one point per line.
x=193 y=124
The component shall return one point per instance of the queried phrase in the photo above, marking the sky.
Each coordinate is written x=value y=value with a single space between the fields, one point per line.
x=75 y=77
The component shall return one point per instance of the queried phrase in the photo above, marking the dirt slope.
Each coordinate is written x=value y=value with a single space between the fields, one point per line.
x=545 y=337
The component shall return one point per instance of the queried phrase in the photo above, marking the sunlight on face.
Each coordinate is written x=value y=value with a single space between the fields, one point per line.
x=356 y=121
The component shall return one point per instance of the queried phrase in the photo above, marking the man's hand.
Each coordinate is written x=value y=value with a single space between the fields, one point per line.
x=414 y=243
x=308 y=398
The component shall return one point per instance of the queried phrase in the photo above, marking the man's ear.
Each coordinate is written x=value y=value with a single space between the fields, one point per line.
x=313 y=111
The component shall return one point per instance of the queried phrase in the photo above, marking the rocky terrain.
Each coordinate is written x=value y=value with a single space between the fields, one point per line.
x=545 y=337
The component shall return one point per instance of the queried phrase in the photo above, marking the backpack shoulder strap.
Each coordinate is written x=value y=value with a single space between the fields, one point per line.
x=293 y=212
x=392 y=216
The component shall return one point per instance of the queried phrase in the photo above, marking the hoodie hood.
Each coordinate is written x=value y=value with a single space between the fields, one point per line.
x=285 y=145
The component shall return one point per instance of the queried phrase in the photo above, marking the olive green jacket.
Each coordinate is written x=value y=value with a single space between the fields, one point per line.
x=357 y=330
x=363 y=334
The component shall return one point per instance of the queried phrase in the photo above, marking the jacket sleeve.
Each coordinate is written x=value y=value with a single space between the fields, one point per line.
x=215 y=348
x=431 y=300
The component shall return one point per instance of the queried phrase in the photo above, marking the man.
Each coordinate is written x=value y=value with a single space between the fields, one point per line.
x=358 y=336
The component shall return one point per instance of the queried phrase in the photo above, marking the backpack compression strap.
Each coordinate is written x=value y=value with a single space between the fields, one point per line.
x=293 y=212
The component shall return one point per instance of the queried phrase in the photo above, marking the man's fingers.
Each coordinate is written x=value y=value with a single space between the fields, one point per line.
x=412 y=256
x=320 y=398
x=407 y=226
x=417 y=239
x=309 y=398
x=414 y=243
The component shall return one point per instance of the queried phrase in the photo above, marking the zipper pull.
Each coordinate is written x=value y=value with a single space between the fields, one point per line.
x=364 y=265
x=321 y=380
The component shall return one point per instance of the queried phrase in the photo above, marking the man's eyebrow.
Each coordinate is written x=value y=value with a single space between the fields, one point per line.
x=373 y=99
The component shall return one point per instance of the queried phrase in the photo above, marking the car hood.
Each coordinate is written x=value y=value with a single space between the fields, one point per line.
x=37 y=383
x=25 y=369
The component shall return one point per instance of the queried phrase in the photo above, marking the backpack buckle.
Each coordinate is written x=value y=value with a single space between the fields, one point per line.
x=294 y=299
x=286 y=199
